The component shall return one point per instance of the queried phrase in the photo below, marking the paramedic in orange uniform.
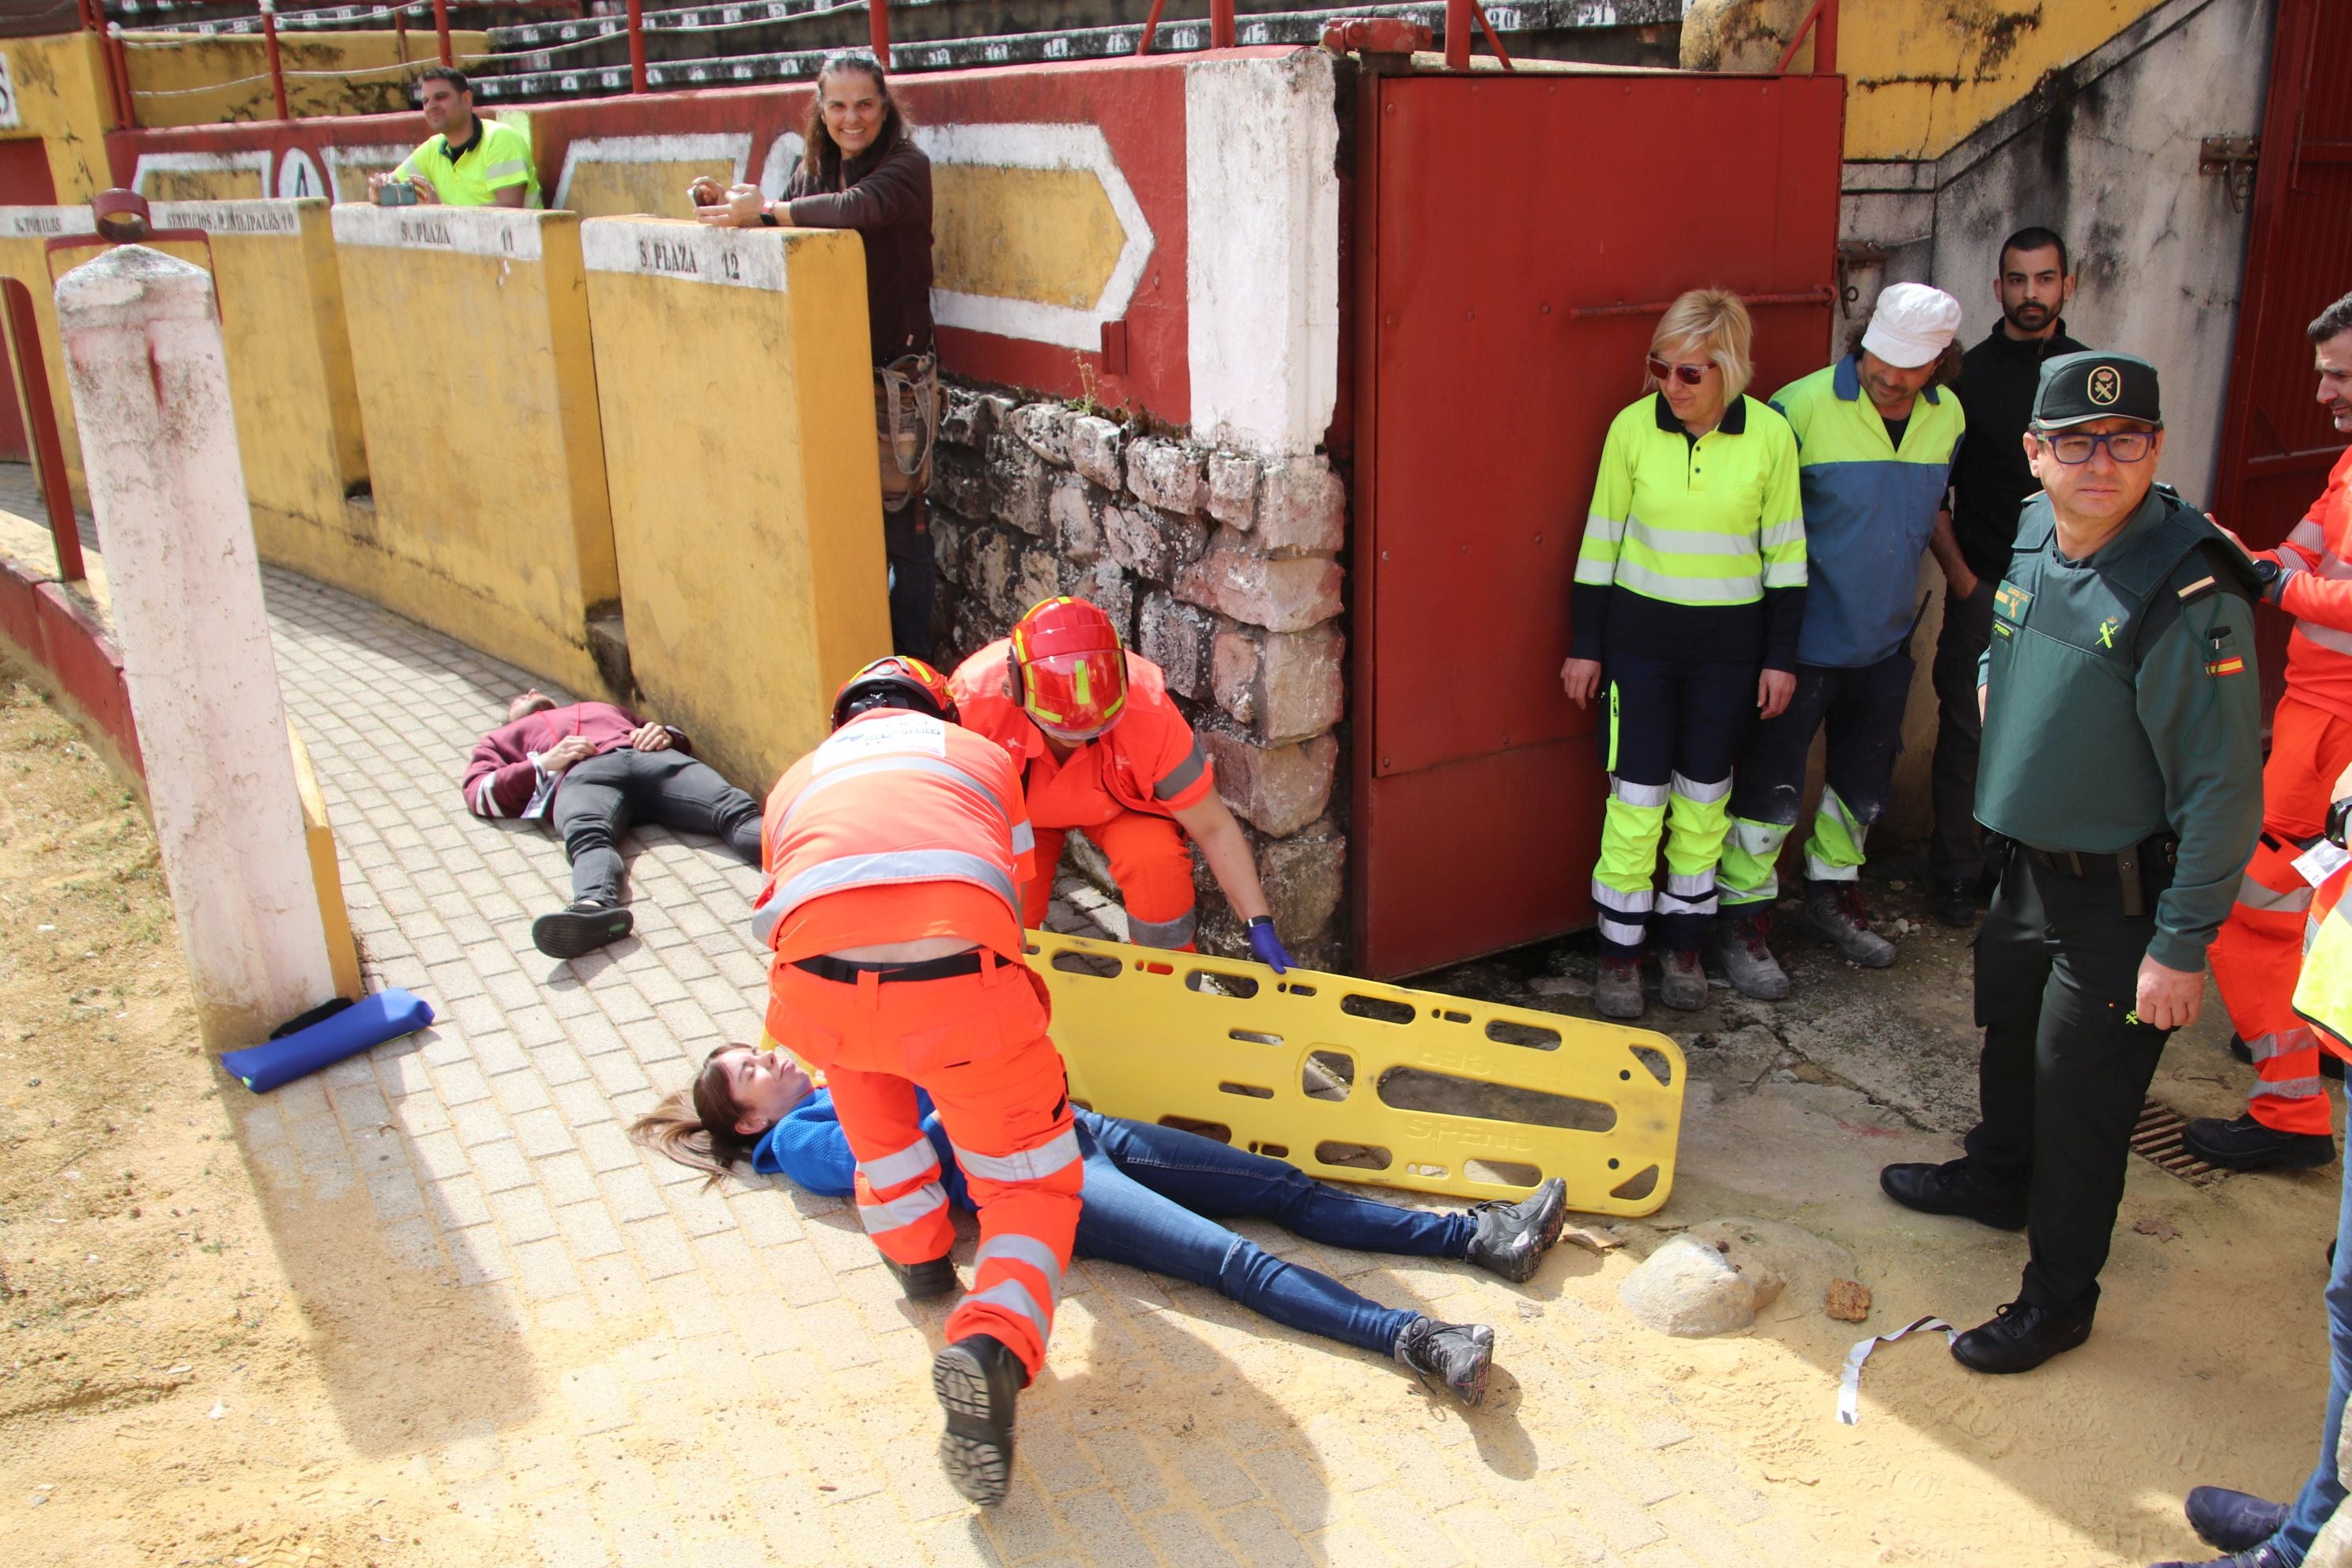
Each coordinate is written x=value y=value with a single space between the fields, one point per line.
x=2259 y=954
x=1101 y=748
x=895 y=853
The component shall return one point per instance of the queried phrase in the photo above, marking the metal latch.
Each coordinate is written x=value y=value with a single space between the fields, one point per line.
x=2231 y=158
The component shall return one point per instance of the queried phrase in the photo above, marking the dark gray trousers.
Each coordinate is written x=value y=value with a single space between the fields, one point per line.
x=2064 y=1072
x=1957 y=847
x=600 y=799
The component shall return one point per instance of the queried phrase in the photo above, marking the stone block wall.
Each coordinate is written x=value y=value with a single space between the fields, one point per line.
x=1219 y=566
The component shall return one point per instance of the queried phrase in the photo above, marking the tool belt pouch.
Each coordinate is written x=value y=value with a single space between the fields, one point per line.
x=2145 y=871
x=906 y=426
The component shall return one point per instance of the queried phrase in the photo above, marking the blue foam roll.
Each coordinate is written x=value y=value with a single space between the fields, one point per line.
x=367 y=1023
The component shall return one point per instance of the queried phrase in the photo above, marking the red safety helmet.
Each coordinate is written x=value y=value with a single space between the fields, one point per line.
x=894 y=682
x=1069 y=669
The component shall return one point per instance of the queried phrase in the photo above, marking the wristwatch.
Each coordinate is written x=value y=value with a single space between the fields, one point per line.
x=2338 y=814
x=2268 y=574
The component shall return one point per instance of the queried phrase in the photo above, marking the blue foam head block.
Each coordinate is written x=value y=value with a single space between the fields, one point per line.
x=367 y=1023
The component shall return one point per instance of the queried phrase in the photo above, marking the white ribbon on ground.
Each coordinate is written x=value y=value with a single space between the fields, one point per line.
x=1850 y=1380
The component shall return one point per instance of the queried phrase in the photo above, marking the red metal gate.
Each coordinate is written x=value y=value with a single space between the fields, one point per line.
x=1519 y=237
x=2277 y=444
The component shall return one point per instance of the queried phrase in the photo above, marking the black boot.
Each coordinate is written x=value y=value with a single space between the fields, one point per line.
x=1513 y=1237
x=1954 y=1187
x=2234 y=1522
x=978 y=1382
x=582 y=928
x=2022 y=1336
x=1953 y=901
x=2255 y=1557
x=1457 y=1355
x=2242 y=1144
x=921 y=1281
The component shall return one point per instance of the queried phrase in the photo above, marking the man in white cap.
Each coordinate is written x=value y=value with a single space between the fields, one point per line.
x=1875 y=440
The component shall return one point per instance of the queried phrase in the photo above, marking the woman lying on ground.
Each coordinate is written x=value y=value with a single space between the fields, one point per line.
x=1153 y=1197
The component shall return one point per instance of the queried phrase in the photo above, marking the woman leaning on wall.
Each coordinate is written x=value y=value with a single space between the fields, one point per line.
x=1690 y=589
x=862 y=170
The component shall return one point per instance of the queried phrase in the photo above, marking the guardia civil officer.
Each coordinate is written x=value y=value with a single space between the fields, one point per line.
x=2123 y=762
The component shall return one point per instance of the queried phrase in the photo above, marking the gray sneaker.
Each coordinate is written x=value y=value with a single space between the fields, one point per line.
x=1681 y=981
x=1617 y=988
x=1745 y=958
x=1836 y=913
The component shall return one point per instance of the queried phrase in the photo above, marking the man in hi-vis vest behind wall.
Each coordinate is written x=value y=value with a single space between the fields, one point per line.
x=896 y=855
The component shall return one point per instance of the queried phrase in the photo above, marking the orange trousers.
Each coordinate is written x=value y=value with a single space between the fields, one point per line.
x=1151 y=861
x=2258 y=956
x=978 y=1045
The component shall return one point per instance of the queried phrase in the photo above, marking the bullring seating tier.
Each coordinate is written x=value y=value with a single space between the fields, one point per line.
x=764 y=41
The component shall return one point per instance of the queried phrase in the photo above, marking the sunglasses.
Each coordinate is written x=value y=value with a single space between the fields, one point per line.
x=1688 y=375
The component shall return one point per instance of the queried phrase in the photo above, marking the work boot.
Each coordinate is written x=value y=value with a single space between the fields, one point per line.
x=2330 y=1064
x=977 y=1380
x=2234 y=1522
x=921 y=1281
x=2242 y=1144
x=584 y=927
x=1513 y=1237
x=2021 y=1335
x=1617 y=989
x=1955 y=1187
x=1953 y=901
x=2264 y=1556
x=1682 y=980
x=1744 y=956
x=1456 y=1355
x=1836 y=913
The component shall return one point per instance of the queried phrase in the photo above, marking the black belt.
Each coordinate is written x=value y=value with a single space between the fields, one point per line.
x=846 y=971
x=2073 y=862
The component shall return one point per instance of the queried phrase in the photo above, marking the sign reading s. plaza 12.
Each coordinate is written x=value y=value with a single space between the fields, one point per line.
x=731 y=258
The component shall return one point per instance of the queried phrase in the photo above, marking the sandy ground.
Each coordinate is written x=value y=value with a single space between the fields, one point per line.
x=165 y=1395
x=193 y=1372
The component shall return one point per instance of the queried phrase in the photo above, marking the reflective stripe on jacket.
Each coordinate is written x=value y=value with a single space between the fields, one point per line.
x=1712 y=522
x=2323 y=994
x=896 y=800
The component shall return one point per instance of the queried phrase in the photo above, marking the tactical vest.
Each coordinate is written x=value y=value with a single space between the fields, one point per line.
x=2067 y=763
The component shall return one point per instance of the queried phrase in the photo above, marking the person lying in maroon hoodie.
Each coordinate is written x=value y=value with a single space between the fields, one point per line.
x=594 y=769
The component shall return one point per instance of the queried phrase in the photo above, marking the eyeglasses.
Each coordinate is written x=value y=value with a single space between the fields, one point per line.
x=1688 y=375
x=2073 y=448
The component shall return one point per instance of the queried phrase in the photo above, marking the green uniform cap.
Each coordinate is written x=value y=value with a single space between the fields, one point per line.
x=2078 y=388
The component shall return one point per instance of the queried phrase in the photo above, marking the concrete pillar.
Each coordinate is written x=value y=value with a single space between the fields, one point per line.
x=159 y=444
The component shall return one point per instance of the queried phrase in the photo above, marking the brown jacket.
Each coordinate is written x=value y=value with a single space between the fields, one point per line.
x=886 y=198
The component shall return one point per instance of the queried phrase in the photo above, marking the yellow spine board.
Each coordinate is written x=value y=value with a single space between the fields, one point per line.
x=1346 y=1078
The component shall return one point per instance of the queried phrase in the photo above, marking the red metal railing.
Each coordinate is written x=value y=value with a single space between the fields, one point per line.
x=41 y=425
x=1821 y=21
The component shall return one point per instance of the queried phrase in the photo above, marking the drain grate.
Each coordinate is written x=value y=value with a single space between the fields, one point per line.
x=2157 y=1137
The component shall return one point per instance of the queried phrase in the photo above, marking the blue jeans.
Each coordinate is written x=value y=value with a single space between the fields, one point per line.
x=1154 y=1194
x=2324 y=1490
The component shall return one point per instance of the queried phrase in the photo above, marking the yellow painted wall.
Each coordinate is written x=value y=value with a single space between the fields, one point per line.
x=24 y=234
x=1048 y=235
x=469 y=336
x=289 y=368
x=1925 y=74
x=175 y=76
x=326 y=876
x=61 y=98
x=747 y=508
x=608 y=189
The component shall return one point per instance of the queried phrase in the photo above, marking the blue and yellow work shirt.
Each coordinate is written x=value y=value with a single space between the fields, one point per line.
x=1870 y=509
x=1696 y=546
x=470 y=175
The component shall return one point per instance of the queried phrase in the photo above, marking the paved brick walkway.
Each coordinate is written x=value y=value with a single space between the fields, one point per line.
x=730 y=1378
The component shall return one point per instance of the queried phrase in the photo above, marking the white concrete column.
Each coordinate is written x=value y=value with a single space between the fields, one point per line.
x=159 y=444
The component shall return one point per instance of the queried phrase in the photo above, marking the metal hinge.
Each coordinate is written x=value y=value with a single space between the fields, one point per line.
x=2231 y=158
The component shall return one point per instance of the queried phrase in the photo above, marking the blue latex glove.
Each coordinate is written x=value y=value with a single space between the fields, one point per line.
x=1266 y=947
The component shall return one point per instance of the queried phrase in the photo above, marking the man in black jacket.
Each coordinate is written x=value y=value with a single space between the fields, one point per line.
x=1990 y=480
